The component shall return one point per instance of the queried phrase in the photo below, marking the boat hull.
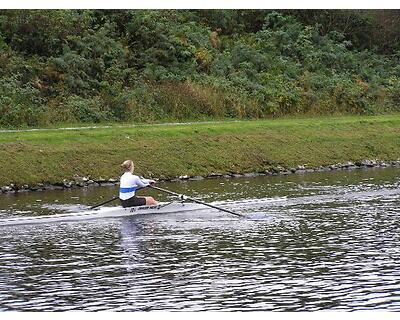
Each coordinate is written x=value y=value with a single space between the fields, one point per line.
x=108 y=212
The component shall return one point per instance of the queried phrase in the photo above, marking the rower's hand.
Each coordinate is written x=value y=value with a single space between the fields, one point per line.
x=152 y=182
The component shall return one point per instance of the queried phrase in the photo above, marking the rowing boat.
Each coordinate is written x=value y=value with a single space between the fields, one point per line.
x=110 y=212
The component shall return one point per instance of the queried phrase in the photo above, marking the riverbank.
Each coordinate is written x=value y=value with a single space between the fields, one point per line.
x=33 y=160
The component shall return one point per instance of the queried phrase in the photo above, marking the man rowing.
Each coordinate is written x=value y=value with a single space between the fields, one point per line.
x=128 y=185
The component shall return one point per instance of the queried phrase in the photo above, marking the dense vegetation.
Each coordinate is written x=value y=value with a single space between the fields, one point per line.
x=61 y=66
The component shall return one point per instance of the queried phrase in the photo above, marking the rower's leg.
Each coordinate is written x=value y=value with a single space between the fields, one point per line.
x=150 y=201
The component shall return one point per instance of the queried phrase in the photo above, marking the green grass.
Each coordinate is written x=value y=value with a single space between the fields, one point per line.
x=196 y=149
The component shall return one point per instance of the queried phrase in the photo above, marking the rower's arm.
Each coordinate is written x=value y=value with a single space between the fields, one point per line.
x=141 y=182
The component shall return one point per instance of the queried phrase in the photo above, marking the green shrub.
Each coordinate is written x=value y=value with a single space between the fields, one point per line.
x=20 y=105
x=88 y=59
x=394 y=91
x=87 y=109
x=41 y=32
x=166 y=65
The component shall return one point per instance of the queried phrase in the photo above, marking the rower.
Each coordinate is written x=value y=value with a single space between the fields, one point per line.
x=128 y=185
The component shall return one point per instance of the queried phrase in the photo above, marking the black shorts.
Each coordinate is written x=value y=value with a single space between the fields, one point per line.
x=133 y=202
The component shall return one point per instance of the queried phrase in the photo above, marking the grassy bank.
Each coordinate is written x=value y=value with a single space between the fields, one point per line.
x=197 y=149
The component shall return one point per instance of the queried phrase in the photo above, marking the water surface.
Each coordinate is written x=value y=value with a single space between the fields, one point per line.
x=320 y=241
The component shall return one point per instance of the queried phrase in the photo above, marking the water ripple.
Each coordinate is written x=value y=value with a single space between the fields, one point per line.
x=327 y=243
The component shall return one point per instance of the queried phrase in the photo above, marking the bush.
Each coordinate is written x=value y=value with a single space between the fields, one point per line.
x=20 y=105
x=41 y=32
x=87 y=109
x=161 y=65
x=88 y=60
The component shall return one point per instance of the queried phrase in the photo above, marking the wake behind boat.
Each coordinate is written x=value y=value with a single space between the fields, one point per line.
x=110 y=212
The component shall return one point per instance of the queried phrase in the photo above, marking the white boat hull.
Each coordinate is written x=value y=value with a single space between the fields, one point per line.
x=108 y=212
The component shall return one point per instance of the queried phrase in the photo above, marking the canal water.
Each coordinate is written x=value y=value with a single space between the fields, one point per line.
x=318 y=241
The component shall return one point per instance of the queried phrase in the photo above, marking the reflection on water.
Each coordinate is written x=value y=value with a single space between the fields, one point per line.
x=323 y=241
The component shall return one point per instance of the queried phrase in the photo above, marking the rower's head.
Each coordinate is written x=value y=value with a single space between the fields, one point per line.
x=128 y=166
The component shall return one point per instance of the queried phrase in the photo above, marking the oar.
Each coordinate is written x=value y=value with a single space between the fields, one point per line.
x=100 y=204
x=183 y=197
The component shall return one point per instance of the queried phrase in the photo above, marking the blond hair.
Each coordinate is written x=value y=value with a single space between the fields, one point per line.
x=128 y=165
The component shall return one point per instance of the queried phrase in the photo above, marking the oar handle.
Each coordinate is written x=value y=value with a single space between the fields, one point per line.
x=197 y=201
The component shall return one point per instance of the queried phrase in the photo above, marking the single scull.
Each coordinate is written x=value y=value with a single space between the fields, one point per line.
x=110 y=212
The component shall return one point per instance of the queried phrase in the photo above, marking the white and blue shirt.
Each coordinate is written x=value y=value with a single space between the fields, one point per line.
x=129 y=183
